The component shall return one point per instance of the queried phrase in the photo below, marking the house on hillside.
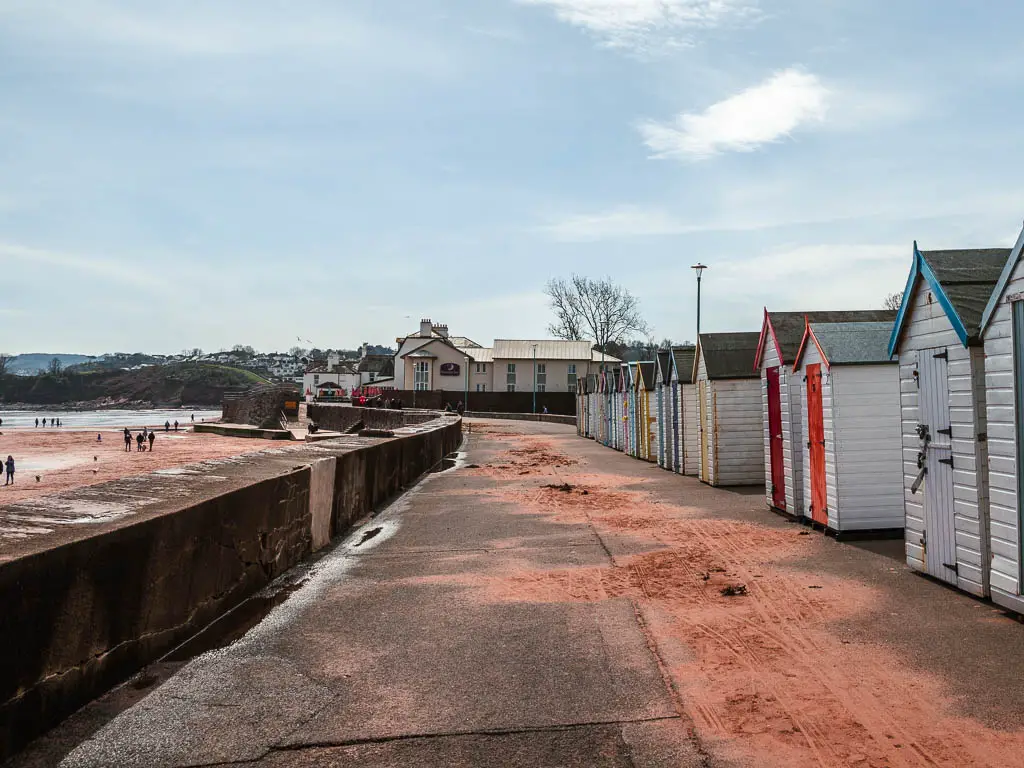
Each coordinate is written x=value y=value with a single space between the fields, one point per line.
x=781 y=333
x=729 y=409
x=944 y=416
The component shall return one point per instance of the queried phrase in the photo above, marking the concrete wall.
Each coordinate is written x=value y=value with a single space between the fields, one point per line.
x=87 y=605
x=259 y=407
x=340 y=418
x=547 y=417
x=561 y=403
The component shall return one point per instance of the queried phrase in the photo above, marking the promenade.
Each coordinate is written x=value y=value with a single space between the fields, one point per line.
x=548 y=602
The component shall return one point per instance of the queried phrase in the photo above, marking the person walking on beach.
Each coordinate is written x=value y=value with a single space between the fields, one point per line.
x=127 y=439
x=37 y=422
x=44 y=422
x=167 y=426
x=139 y=439
x=10 y=470
x=152 y=437
x=193 y=418
x=175 y=425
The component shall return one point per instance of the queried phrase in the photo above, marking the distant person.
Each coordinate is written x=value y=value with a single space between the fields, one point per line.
x=44 y=422
x=140 y=440
x=167 y=426
x=10 y=470
x=193 y=418
x=545 y=409
x=175 y=425
x=127 y=439
x=37 y=422
x=99 y=437
x=152 y=437
x=460 y=408
x=447 y=407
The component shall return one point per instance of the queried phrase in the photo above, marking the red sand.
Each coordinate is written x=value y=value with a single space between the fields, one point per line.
x=763 y=676
x=66 y=460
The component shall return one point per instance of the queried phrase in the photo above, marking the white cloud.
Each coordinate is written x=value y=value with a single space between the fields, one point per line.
x=759 y=115
x=643 y=25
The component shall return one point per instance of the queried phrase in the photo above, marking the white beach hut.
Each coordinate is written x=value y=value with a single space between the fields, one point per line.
x=1002 y=330
x=944 y=419
x=663 y=406
x=686 y=440
x=851 y=453
x=729 y=409
x=781 y=333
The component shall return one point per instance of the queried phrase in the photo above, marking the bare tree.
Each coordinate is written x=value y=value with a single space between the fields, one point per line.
x=55 y=367
x=5 y=360
x=893 y=301
x=598 y=310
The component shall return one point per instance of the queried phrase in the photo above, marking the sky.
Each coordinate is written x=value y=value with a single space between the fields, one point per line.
x=205 y=173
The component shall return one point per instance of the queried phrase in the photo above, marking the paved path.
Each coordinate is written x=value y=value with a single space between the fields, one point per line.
x=489 y=620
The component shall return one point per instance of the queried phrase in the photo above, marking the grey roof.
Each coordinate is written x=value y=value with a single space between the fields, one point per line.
x=789 y=326
x=683 y=358
x=647 y=373
x=664 y=364
x=479 y=354
x=383 y=364
x=547 y=349
x=730 y=355
x=968 y=277
x=853 y=343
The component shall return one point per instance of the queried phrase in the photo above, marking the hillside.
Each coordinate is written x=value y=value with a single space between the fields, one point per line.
x=156 y=386
x=38 y=362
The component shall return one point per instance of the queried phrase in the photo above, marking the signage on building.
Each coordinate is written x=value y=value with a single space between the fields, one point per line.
x=449 y=369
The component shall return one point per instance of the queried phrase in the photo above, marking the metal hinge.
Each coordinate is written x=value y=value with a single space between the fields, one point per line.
x=948 y=431
x=942 y=355
x=953 y=567
x=947 y=461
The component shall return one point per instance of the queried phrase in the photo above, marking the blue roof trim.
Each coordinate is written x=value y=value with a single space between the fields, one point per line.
x=1004 y=279
x=905 y=303
x=921 y=268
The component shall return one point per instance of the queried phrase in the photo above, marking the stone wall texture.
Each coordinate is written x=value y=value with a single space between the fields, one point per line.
x=92 y=607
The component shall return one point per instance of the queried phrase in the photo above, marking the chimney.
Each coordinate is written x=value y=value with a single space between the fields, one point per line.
x=442 y=331
x=425 y=327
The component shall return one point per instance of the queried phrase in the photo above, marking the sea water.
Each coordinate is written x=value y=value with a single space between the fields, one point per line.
x=111 y=418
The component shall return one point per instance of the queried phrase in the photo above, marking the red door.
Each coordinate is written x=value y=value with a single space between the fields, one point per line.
x=816 y=445
x=775 y=439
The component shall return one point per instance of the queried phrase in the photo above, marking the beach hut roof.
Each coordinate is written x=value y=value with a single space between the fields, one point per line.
x=848 y=343
x=664 y=361
x=963 y=282
x=729 y=355
x=646 y=374
x=682 y=361
x=786 y=329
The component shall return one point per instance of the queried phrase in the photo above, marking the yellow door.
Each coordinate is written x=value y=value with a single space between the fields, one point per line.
x=702 y=403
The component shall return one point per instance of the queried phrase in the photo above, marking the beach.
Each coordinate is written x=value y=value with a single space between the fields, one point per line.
x=70 y=459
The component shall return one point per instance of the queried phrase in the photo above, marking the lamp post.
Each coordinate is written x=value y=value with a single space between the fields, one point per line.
x=534 y=378
x=465 y=397
x=698 y=268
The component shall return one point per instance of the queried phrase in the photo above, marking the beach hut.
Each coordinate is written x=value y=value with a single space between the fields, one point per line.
x=629 y=376
x=581 y=407
x=663 y=407
x=781 y=333
x=729 y=409
x=851 y=453
x=646 y=415
x=942 y=385
x=620 y=411
x=1002 y=330
x=685 y=438
x=592 y=405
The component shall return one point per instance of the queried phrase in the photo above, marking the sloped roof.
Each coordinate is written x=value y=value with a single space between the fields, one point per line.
x=647 y=373
x=547 y=349
x=787 y=328
x=968 y=278
x=682 y=360
x=462 y=341
x=730 y=355
x=850 y=343
x=963 y=282
x=664 y=362
x=479 y=354
x=602 y=357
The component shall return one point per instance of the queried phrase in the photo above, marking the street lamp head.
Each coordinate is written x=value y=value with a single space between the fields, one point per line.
x=700 y=268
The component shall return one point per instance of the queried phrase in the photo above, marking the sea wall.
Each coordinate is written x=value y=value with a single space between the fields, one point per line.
x=547 y=417
x=562 y=403
x=88 y=604
x=259 y=407
x=341 y=418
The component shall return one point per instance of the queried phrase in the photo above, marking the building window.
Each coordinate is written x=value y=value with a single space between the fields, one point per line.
x=481 y=367
x=316 y=379
x=572 y=377
x=542 y=377
x=373 y=376
x=510 y=377
x=481 y=387
x=421 y=375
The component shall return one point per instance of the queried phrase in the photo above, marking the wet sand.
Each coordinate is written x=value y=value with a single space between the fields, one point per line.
x=67 y=460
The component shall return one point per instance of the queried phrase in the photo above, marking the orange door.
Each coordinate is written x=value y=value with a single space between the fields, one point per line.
x=816 y=445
